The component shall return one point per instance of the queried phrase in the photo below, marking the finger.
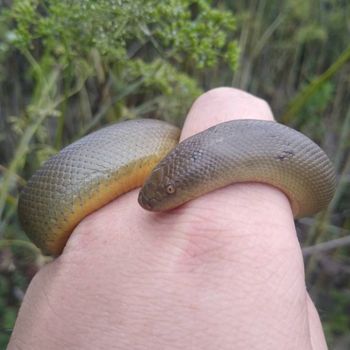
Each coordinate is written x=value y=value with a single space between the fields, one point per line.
x=223 y=104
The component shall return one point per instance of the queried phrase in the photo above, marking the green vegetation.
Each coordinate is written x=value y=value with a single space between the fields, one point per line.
x=69 y=67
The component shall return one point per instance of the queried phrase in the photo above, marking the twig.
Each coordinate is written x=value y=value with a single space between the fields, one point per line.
x=303 y=96
x=329 y=245
x=4 y=243
x=104 y=108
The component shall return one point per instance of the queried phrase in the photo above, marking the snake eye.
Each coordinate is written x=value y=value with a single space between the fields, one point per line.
x=170 y=189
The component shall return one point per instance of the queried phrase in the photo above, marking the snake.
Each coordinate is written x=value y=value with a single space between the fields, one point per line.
x=103 y=165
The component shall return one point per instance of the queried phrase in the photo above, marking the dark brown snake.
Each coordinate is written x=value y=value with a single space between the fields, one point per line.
x=107 y=163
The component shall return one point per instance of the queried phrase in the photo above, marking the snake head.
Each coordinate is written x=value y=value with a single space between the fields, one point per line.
x=180 y=177
x=157 y=191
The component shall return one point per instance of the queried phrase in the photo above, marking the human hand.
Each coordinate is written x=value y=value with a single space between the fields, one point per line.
x=224 y=271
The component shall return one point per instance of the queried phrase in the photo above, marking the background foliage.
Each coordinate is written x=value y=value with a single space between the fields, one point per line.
x=69 y=67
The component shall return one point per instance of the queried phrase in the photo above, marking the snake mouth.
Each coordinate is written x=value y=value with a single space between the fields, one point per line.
x=144 y=201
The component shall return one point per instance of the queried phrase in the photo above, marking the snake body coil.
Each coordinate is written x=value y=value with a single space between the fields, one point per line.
x=88 y=174
x=101 y=166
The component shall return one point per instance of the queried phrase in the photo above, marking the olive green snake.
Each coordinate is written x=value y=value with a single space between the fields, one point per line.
x=103 y=165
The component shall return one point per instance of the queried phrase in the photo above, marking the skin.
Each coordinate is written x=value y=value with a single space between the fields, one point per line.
x=224 y=271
